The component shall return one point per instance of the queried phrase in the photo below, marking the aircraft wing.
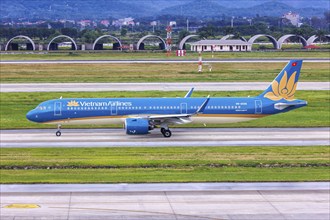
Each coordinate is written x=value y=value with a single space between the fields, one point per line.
x=177 y=118
x=170 y=119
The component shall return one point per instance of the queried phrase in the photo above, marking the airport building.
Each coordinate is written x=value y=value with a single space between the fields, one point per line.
x=220 y=45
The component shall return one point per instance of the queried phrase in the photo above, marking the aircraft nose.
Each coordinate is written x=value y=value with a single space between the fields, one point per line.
x=31 y=115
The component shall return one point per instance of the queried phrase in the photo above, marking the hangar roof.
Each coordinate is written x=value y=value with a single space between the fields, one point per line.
x=220 y=42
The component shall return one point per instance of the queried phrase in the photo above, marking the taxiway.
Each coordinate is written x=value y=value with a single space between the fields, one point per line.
x=156 y=61
x=289 y=201
x=199 y=86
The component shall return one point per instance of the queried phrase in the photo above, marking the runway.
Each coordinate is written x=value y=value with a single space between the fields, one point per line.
x=289 y=201
x=186 y=137
x=199 y=86
x=155 y=61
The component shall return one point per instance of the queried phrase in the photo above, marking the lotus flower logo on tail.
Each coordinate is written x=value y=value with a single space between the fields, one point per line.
x=285 y=89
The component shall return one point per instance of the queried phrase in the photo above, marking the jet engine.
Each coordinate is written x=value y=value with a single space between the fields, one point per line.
x=137 y=126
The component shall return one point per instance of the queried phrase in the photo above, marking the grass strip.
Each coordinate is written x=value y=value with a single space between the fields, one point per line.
x=114 y=55
x=155 y=175
x=180 y=164
x=177 y=72
x=14 y=106
x=167 y=157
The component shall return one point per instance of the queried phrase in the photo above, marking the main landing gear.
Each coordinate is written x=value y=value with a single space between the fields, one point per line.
x=166 y=132
x=58 y=132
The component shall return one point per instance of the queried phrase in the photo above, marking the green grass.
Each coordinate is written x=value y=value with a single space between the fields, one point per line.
x=178 y=164
x=114 y=55
x=14 y=106
x=154 y=175
x=180 y=72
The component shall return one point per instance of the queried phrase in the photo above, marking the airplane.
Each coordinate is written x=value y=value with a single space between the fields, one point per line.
x=140 y=115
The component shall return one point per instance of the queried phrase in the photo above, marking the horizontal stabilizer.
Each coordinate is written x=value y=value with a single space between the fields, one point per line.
x=281 y=106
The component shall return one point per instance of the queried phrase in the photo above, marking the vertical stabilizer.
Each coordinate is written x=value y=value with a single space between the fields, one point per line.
x=285 y=84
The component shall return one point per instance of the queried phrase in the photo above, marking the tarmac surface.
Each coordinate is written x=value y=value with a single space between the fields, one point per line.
x=316 y=60
x=289 y=201
x=199 y=86
x=186 y=137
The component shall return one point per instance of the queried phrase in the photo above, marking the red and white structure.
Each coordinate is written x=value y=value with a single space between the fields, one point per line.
x=181 y=53
x=200 y=62
x=169 y=40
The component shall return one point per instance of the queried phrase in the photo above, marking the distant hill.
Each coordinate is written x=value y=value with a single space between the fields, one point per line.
x=210 y=8
x=196 y=8
x=72 y=9
x=102 y=9
x=268 y=8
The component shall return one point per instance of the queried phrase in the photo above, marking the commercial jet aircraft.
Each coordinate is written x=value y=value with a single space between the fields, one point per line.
x=140 y=115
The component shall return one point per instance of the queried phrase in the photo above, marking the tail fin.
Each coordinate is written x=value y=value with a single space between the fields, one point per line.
x=285 y=84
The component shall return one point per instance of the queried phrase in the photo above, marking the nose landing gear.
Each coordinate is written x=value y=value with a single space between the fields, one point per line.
x=58 y=132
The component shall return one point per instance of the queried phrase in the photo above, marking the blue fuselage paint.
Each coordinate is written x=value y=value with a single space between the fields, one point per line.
x=82 y=109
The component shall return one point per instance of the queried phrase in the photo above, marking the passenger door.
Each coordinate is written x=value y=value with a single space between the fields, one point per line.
x=258 y=106
x=57 y=108
x=114 y=109
x=183 y=108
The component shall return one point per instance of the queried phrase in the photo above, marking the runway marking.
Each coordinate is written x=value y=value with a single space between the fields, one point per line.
x=139 y=211
x=69 y=206
x=168 y=201
x=271 y=204
x=22 y=206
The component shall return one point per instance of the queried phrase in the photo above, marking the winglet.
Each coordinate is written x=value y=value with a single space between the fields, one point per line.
x=189 y=93
x=203 y=106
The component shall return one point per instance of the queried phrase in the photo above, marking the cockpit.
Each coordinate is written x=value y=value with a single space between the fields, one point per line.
x=36 y=114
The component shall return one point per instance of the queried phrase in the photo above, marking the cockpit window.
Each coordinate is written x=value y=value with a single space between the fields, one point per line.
x=41 y=107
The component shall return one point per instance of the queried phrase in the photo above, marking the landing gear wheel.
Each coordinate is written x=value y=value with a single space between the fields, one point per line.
x=162 y=130
x=58 y=132
x=167 y=133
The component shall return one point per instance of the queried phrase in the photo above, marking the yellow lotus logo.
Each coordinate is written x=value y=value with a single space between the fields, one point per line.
x=73 y=104
x=283 y=90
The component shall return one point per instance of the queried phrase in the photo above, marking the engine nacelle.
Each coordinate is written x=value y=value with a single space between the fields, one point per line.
x=137 y=126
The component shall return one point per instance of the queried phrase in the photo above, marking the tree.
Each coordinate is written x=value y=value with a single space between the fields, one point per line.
x=320 y=34
x=306 y=30
x=123 y=32
x=316 y=22
x=183 y=33
x=327 y=16
x=208 y=31
x=89 y=36
x=237 y=35
x=229 y=30
x=72 y=32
